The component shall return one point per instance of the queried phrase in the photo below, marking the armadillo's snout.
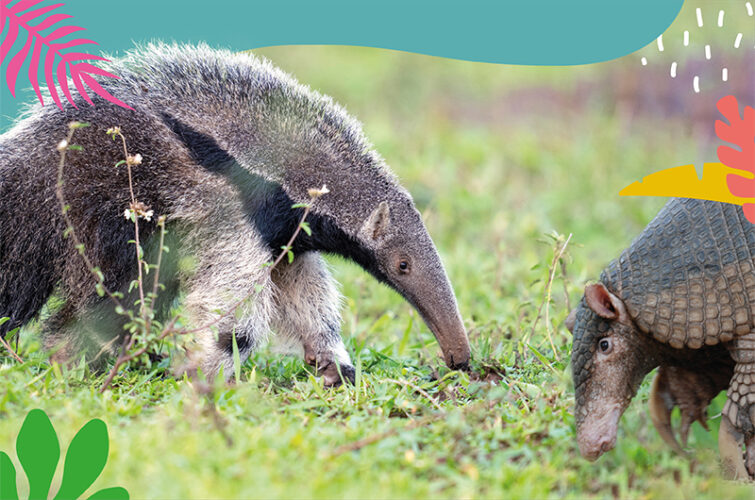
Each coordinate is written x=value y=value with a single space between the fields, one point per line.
x=594 y=449
x=597 y=435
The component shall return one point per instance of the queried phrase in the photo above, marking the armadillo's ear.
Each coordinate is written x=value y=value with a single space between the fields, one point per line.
x=571 y=320
x=604 y=303
x=377 y=224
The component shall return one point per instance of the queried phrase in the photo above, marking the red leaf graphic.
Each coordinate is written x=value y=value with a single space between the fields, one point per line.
x=56 y=62
x=740 y=131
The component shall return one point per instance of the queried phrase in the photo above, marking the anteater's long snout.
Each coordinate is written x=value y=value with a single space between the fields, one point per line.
x=441 y=314
x=452 y=337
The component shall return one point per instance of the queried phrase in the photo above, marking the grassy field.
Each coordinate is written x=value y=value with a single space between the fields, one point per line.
x=502 y=162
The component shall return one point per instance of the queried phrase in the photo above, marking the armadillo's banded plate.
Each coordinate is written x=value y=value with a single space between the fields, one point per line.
x=689 y=277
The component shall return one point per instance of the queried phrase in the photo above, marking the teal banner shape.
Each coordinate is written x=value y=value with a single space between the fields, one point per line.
x=531 y=32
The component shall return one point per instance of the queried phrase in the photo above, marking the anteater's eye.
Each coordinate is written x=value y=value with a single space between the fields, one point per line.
x=403 y=267
x=605 y=345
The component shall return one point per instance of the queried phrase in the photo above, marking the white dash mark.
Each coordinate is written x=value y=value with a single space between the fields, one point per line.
x=696 y=84
x=673 y=69
x=660 y=43
x=738 y=40
x=686 y=38
x=725 y=74
x=699 y=13
x=644 y=61
x=749 y=9
x=707 y=52
x=720 y=18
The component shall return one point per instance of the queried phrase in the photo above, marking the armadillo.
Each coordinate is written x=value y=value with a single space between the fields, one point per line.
x=681 y=297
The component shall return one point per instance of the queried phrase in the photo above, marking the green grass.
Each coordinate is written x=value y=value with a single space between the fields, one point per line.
x=498 y=158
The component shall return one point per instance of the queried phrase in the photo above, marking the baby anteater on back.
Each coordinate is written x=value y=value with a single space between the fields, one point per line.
x=682 y=298
x=229 y=145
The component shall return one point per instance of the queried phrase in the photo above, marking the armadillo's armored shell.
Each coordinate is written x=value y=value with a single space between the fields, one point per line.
x=689 y=277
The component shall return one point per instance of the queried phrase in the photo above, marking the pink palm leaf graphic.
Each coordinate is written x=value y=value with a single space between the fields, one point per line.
x=740 y=131
x=56 y=61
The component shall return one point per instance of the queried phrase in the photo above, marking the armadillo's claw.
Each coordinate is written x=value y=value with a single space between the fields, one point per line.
x=730 y=443
x=661 y=403
x=689 y=416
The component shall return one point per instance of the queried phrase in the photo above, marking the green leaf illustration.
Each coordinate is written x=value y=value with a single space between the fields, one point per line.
x=38 y=451
x=8 y=489
x=110 y=494
x=85 y=459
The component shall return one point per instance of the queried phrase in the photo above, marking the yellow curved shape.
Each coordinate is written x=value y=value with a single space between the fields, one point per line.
x=682 y=182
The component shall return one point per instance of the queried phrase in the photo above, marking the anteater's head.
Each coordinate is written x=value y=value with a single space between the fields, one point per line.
x=610 y=357
x=403 y=256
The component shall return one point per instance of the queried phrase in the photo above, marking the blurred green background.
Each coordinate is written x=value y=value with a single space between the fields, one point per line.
x=503 y=162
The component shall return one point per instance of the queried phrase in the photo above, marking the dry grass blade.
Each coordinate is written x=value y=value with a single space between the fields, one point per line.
x=10 y=350
x=418 y=389
x=557 y=255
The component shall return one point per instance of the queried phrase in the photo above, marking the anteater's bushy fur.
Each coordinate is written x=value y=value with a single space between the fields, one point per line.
x=229 y=143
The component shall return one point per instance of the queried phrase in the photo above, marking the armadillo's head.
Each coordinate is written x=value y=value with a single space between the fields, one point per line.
x=404 y=257
x=610 y=357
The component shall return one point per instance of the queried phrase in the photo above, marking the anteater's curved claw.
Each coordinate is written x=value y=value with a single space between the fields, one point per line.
x=730 y=449
x=661 y=403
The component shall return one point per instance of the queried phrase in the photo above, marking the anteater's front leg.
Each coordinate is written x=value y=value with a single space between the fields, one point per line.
x=230 y=294
x=308 y=315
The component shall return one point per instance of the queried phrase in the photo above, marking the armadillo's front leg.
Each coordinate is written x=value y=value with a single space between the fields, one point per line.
x=690 y=391
x=738 y=415
x=691 y=387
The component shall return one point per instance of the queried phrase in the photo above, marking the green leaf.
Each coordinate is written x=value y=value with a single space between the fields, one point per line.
x=300 y=205
x=38 y=451
x=8 y=489
x=85 y=459
x=541 y=357
x=116 y=493
x=305 y=227
x=405 y=338
x=3 y=320
x=236 y=358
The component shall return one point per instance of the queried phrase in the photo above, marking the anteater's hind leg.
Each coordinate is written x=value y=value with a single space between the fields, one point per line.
x=738 y=416
x=308 y=315
x=90 y=325
x=74 y=331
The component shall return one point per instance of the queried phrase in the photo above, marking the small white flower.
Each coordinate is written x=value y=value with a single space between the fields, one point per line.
x=140 y=210
x=62 y=145
x=134 y=160
x=316 y=193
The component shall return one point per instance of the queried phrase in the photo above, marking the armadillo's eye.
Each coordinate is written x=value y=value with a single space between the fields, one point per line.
x=403 y=267
x=605 y=345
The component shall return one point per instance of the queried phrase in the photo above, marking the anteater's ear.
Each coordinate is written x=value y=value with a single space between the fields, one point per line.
x=571 y=320
x=605 y=304
x=377 y=224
